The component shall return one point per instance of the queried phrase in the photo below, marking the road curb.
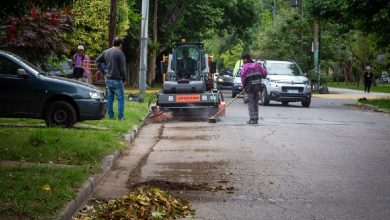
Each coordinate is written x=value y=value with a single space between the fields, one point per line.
x=88 y=188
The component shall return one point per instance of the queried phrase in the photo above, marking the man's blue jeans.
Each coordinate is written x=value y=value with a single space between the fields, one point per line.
x=115 y=87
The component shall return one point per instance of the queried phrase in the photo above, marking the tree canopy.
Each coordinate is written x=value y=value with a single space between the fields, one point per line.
x=91 y=23
x=370 y=16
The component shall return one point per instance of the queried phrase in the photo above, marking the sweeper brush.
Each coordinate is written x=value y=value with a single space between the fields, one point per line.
x=158 y=116
x=213 y=119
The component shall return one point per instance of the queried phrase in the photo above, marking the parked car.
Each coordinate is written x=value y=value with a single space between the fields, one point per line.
x=384 y=78
x=285 y=83
x=63 y=68
x=28 y=92
x=225 y=78
x=237 y=85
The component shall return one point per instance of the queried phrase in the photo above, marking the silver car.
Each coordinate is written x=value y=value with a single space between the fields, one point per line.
x=285 y=83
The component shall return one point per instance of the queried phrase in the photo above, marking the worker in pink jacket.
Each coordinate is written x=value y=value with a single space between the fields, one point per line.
x=251 y=75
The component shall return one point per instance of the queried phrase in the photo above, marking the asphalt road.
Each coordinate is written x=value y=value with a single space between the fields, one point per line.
x=329 y=161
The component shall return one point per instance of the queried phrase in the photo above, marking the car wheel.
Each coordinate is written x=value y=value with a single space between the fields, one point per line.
x=284 y=103
x=234 y=95
x=264 y=100
x=60 y=113
x=306 y=104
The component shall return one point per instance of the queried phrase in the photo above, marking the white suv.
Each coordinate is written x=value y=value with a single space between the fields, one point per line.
x=285 y=83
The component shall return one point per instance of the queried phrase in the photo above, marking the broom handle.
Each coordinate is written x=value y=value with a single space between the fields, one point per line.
x=231 y=101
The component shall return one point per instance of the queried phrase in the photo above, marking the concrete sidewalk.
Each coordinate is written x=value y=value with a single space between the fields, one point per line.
x=339 y=93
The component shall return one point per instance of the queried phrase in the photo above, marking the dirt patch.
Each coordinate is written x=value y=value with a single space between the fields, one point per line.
x=198 y=128
x=180 y=186
x=189 y=138
x=194 y=150
x=135 y=175
x=199 y=176
x=172 y=186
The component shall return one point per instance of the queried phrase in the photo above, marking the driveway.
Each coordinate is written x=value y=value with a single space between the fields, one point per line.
x=329 y=161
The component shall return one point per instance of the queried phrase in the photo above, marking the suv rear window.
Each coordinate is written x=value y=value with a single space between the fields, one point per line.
x=283 y=69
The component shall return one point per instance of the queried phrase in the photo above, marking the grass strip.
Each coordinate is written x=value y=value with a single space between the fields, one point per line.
x=383 y=104
x=384 y=88
x=40 y=192
x=37 y=192
x=76 y=146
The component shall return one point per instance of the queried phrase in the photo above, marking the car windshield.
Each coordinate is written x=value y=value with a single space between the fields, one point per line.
x=283 y=69
x=238 y=73
x=228 y=72
x=32 y=66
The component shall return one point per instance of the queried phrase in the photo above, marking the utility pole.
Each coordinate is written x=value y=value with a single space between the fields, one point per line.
x=144 y=46
x=300 y=5
x=112 y=24
x=316 y=51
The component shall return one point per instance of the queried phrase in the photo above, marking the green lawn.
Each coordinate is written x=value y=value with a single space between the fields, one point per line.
x=385 y=88
x=36 y=192
x=28 y=140
x=380 y=103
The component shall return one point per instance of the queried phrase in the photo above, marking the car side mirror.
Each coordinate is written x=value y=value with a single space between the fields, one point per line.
x=22 y=73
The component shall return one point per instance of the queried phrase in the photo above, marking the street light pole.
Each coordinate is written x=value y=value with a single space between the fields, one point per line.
x=144 y=46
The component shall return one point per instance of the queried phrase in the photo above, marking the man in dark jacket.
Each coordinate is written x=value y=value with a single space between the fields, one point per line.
x=186 y=66
x=251 y=75
x=112 y=63
x=368 y=79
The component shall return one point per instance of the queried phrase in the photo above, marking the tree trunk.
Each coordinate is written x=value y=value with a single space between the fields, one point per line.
x=112 y=25
x=153 y=53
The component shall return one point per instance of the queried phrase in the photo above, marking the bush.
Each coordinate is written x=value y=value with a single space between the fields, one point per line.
x=313 y=76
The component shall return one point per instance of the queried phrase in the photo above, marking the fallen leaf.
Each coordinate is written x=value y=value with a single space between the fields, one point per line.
x=46 y=187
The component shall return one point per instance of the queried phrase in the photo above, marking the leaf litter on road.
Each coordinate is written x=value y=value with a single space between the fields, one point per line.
x=144 y=203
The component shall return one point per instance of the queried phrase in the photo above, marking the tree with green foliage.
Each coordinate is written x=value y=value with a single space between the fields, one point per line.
x=364 y=26
x=91 y=23
x=230 y=57
x=199 y=20
x=369 y=16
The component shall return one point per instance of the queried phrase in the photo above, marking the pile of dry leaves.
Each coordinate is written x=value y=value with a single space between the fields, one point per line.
x=143 y=203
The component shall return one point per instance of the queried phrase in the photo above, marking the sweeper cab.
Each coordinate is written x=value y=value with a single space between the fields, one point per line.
x=188 y=86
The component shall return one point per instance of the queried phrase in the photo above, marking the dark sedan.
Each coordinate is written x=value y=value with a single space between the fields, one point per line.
x=225 y=78
x=27 y=92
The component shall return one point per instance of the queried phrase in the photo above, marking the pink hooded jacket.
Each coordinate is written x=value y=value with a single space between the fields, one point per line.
x=248 y=68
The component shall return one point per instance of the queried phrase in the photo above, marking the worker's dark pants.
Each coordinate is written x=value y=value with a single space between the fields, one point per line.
x=367 y=86
x=253 y=105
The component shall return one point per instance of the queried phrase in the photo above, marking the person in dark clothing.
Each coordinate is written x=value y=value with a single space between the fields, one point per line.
x=112 y=63
x=251 y=75
x=186 y=66
x=368 y=79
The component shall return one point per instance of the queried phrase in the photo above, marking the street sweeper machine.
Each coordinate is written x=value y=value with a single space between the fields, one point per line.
x=188 y=86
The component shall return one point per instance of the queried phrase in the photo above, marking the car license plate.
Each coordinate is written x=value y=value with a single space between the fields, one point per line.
x=292 y=91
x=188 y=98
